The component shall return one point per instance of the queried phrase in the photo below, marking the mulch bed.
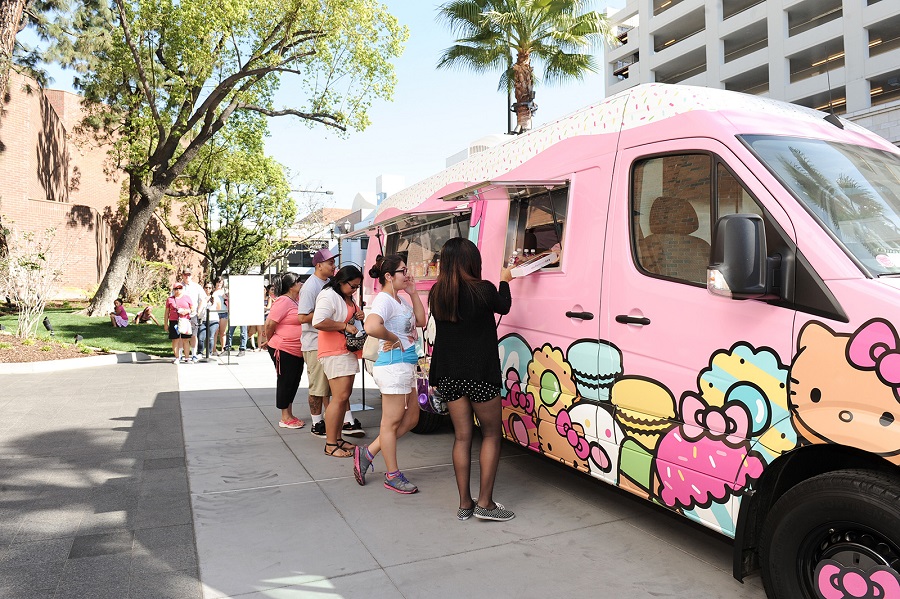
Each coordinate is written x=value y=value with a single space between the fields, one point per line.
x=12 y=349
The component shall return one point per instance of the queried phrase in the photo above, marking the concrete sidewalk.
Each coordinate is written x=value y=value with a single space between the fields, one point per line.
x=92 y=462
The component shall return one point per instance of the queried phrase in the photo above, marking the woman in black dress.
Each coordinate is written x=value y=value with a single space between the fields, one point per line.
x=465 y=368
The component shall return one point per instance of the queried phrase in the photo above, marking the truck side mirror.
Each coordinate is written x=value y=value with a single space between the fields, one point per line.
x=738 y=264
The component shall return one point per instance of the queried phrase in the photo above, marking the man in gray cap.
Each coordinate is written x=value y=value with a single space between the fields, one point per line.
x=319 y=391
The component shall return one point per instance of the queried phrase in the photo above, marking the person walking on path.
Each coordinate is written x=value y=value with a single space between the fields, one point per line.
x=319 y=392
x=336 y=314
x=282 y=339
x=393 y=320
x=178 y=306
x=195 y=291
x=465 y=368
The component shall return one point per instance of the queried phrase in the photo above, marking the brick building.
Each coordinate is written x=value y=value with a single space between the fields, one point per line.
x=48 y=178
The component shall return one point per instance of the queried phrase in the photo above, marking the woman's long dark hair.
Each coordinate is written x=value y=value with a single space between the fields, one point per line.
x=344 y=275
x=460 y=271
x=385 y=265
x=284 y=283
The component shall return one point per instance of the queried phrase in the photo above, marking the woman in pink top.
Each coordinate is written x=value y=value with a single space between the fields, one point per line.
x=178 y=306
x=282 y=339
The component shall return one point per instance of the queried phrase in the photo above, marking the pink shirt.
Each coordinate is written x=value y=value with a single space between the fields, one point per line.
x=286 y=336
x=174 y=304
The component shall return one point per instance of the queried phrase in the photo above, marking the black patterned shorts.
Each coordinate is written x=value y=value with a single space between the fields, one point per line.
x=476 y=391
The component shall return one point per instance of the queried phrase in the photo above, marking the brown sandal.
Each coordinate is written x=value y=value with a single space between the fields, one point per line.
x=337 y=448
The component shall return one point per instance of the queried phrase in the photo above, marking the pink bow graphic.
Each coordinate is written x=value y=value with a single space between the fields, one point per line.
x=582 y=448
x=517 y=399
x=835 y=581
x=875 y=347
x=731 y=421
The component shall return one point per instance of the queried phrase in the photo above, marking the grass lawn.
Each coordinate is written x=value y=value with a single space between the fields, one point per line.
x=99 y=332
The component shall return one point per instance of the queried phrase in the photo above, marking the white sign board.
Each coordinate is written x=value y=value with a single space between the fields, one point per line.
x=246 y=294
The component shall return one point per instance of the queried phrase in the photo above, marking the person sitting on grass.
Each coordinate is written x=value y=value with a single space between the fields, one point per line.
x=118 y=317
x=145 y=316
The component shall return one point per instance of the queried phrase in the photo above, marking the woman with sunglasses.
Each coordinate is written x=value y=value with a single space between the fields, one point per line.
x=393 y=320
x=336 y=314
x=465 y=368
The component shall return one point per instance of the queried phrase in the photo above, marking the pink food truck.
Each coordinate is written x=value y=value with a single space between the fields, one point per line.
x=703 y=316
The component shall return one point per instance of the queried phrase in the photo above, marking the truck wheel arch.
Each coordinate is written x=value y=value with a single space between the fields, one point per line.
x=780 y=476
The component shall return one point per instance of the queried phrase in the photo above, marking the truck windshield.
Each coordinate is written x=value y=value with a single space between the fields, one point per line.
x=854 y=191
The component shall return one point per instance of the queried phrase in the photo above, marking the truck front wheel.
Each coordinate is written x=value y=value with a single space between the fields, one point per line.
x=834 y=535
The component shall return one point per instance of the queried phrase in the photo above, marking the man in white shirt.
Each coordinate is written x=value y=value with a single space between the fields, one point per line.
x=199 y=298
x=319 y=392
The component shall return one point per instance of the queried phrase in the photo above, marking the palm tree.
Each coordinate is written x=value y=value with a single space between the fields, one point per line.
x=557 y=33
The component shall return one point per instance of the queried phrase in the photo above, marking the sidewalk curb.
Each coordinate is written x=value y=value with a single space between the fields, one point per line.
x=73 y=363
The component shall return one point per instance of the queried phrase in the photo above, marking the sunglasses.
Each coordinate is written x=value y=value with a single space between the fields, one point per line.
x=402 y=271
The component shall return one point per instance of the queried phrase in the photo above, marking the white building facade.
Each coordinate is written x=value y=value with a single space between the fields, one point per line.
x=842 y=55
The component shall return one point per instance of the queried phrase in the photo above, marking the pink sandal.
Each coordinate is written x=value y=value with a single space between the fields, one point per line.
x=295 y=423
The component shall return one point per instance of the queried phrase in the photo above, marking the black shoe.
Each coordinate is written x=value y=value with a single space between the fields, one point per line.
x=318 y=429
x=241 y=353
x=353 y=430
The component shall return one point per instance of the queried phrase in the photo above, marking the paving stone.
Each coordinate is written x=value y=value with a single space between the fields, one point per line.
x=120 y=541
x=161 y=463
x=37 y=552
x=183 y=584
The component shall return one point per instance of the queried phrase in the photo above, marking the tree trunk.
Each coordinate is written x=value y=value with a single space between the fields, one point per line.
x=10 y=20
x=523 y=83
x=126 y=246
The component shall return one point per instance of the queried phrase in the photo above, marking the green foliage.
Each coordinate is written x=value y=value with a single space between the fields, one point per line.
x=558 y=34
x=28 y=341
x=98 y=333
x=46 y=348
x=162 y=78
x=239 y=221
x=5 y=345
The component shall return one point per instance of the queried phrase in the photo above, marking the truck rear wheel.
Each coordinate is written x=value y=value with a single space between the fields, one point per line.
x=834 y=535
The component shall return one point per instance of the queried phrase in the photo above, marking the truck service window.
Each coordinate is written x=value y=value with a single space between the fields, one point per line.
x=537 y=217
x=419 y=239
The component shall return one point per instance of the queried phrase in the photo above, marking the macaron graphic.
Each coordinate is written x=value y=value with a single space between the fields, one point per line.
x=595 y=367
x=644 y=409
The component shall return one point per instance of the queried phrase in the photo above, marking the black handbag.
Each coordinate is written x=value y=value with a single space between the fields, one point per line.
x=355 y=343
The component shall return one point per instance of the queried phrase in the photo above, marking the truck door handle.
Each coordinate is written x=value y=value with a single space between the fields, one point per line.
x=581 y=315
x=641 y=320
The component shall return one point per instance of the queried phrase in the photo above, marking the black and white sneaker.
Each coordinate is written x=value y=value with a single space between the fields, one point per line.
x=318 y=429
x=353 y=430
x=499 y=513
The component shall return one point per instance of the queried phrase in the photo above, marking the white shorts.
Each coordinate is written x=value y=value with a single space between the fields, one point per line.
x=342 y=365
x=395 y=379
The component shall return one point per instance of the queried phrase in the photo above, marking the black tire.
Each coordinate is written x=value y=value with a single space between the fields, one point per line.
x=428 y=422
x=848 y=516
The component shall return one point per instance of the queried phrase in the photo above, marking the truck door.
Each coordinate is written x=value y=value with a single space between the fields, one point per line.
x=703 y=376
x=557 y=371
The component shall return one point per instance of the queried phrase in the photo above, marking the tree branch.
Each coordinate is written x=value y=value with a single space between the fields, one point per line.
x=319 y=117
x=140 y=67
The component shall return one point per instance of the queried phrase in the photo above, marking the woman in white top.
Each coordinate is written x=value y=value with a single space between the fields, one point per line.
x=393 y=320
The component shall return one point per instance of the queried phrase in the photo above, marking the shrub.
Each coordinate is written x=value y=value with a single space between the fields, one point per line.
x=145 y=277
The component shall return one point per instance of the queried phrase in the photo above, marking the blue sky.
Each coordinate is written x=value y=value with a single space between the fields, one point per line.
x=434 y=114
